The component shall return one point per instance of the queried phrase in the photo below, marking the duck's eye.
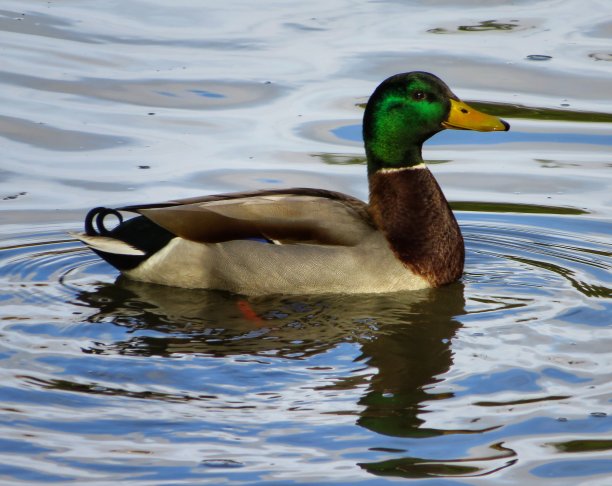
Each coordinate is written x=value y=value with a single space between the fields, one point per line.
x=419 y=95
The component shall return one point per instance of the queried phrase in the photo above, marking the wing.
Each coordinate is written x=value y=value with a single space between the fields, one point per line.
x=294 y=191
x=286 y=216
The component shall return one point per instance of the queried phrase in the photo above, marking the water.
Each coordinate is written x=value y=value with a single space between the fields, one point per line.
x=500 y=378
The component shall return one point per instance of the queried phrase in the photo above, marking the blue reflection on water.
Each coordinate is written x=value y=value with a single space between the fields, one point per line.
x=565 y=469
x=558 y=374
x=468 y=137
x=30 y=475
x=206 y=94
x=541 y=426
x=36 y=396
x=509 y=380
x=438 y=447
x=177 y=375
x=21 y=447
x=596 y=317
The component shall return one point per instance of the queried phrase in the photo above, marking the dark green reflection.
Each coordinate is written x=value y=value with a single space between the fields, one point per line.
x=409 y=355
x=409 y=467
x=496 y=207
x=340 y=159
x=584 y=445
x=539 y=113
x=414 y=468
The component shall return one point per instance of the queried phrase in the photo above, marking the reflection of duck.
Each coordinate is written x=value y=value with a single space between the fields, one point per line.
x=311 y=241
x=404 y=338
x=219 y=323
x=409 y=356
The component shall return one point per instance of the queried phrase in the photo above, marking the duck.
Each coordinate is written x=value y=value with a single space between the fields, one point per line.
x=308 y=240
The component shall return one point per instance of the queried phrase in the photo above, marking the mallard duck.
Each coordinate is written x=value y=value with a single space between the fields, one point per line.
x=312 y=241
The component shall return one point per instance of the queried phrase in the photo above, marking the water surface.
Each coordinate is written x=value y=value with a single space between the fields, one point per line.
x=502 y=377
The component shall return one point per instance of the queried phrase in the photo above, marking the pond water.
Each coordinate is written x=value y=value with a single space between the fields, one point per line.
x=501 y=378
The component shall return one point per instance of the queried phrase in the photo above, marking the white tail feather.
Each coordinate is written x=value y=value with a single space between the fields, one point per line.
x=108 y=245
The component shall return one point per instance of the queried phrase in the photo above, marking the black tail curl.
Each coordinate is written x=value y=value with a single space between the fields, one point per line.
x=94 y=221
x=138 y=232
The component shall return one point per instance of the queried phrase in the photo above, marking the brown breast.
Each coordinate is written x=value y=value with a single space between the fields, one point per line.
x=410 y=208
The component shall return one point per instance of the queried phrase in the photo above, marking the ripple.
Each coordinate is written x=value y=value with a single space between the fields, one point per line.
x=506 y=75
x=545 y=255
x=169 y=93
x=57 y=27
x=42 y=262
x=52 y=138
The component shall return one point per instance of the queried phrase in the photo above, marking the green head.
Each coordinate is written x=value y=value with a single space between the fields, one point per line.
x=407 y=109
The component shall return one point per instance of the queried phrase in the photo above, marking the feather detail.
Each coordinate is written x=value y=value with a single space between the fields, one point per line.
x=107 y=244
x=411 y=210
x=282 y=218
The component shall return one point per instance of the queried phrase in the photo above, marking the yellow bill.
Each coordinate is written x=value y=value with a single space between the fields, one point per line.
x=463 y=117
